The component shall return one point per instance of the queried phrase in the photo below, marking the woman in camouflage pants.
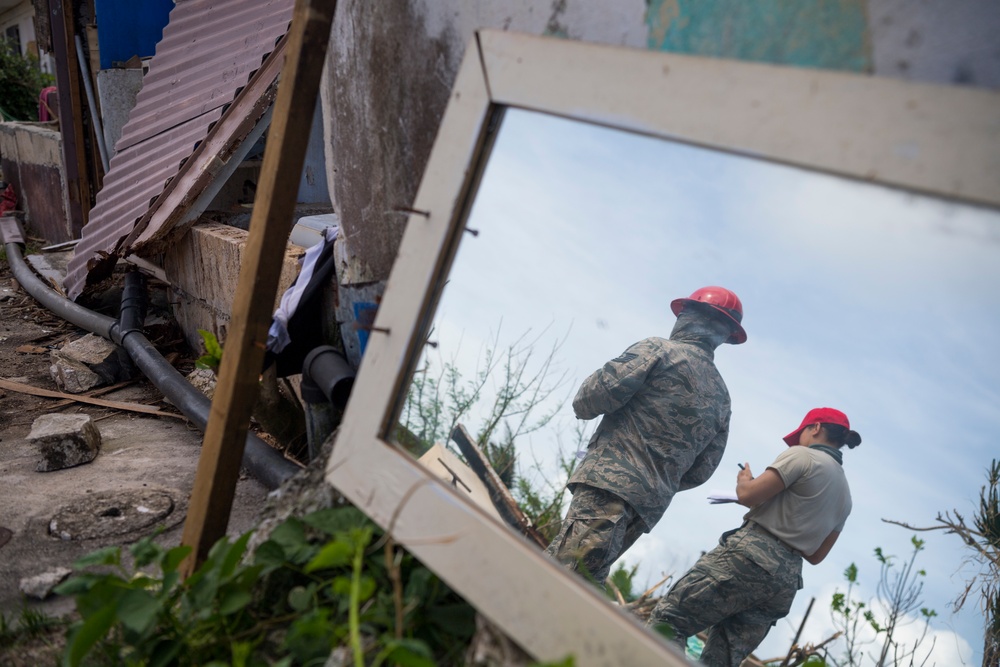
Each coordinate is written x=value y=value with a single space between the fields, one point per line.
x=799 y=506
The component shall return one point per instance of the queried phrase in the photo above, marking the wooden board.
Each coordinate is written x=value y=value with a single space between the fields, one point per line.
x=236 y=390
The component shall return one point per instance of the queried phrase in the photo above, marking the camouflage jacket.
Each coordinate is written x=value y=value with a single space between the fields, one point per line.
x=666 y=420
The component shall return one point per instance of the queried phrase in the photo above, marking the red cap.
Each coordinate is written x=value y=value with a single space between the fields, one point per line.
x=817 y=416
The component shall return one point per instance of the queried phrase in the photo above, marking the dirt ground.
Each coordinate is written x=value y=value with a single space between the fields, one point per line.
x=143 y=459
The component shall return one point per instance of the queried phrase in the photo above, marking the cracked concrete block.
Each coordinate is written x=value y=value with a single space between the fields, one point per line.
x=65 y=441
x=73 y=377
x=203 y=268
x=40 y=586
x=89 y=362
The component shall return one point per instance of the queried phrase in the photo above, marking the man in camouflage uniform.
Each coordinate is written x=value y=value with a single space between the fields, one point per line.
x=666 y=419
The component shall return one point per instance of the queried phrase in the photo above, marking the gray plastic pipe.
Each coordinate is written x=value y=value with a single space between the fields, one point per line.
x=95 y=117
x=264 y=462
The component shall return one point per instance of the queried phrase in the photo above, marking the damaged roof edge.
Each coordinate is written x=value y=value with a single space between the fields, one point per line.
x=212 y=162
x=172 y=124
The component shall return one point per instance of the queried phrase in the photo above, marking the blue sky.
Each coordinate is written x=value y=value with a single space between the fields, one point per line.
x=878 y=302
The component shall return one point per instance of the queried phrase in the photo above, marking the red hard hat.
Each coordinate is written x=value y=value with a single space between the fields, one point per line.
x=722 y=300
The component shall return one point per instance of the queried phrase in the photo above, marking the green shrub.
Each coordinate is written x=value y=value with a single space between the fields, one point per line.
x=328 y=580
x=21 y=80
x=30 y=627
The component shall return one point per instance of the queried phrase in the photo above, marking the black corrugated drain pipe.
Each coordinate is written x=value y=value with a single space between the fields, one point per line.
x=263 y=461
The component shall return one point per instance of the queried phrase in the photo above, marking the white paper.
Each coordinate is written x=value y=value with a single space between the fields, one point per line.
x=718 y=497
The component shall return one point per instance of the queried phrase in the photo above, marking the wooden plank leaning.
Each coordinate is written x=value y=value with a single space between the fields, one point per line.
x=499 y=493
x=236 y=390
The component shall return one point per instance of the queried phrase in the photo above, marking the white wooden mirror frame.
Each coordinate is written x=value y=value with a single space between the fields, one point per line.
x=943 y=141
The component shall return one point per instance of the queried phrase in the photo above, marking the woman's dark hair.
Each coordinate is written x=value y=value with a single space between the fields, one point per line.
x=840 y=436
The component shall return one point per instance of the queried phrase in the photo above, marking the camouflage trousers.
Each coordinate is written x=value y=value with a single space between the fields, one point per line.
x=598 y=528
x=736 y=591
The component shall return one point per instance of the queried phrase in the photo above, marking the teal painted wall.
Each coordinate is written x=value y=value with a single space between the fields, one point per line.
x=830 y=34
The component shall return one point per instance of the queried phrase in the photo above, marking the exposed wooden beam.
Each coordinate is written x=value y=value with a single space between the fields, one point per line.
x=70 y=114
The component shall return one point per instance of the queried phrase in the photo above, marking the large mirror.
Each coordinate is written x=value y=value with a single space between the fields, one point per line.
x=871 y=299
x=553 y=230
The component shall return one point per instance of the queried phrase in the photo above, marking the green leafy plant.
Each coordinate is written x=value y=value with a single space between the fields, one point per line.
x=21 y=80
x=899 y=594
x=213 y=352
x=815 y=661
x=511 y=394
x=328 y=580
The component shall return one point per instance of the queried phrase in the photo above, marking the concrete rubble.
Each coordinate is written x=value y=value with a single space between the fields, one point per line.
x=40 y=586
x=203 y=380
x=64 y=441
x=89 y=362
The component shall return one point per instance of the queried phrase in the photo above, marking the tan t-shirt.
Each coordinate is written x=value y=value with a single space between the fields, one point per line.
x=815 y=502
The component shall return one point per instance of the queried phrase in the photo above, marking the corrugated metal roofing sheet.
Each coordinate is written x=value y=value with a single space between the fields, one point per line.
x=209 y=51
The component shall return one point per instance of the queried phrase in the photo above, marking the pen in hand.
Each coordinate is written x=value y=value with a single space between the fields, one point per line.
x=741 y=466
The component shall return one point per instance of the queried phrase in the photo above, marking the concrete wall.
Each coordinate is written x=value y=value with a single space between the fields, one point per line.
x=390 y=69
x=116 y=92
x=31 y=160
x=939 y=41
x=203 y=268
x=391 y=66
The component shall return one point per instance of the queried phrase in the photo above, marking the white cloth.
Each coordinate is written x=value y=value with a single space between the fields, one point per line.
x=277 y=336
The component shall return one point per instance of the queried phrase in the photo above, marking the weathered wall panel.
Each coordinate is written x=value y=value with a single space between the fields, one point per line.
x=829 y=34
x=31 y=160
x=117 y=89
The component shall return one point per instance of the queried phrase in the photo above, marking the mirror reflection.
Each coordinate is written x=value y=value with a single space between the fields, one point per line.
x=876 y=301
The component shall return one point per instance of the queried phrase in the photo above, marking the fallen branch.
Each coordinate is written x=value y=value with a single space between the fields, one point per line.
x=799 y=654
x=956 y=525
x=649 y=591
x=116 y=405
x=643 y=607
x=617 y=592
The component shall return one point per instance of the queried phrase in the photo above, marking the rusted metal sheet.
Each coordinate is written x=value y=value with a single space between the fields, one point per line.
x=206 y=69
x=140 y=176
x=204 y=58
x=211 y=164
